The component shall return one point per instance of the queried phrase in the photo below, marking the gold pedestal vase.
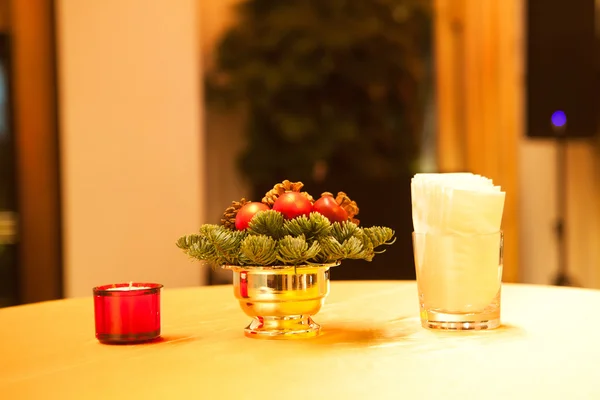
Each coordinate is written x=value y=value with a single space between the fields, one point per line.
x=281 y=299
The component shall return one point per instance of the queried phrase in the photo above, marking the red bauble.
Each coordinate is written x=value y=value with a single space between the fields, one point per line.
x=245 y=214
x=328 y=207
x=292 y=205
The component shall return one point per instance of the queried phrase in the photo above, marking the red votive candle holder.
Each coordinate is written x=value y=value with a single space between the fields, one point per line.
x=127 y=312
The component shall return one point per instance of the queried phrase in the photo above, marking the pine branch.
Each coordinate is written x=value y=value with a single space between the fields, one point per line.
x=203 y=250
x=374 y=237
x=226 y=243
x=296 y=251
x=353 y=248
x=304 y=240
x=268 y=223
x=207 y=228
x=185 y=242
x=344 y=231
x=258 y=250
x=380 y=235
x=213 y=243
x=332 y=250
x=369 y=250
x=313 y=227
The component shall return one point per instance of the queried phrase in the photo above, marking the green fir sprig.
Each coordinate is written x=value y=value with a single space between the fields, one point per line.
x=270 y=240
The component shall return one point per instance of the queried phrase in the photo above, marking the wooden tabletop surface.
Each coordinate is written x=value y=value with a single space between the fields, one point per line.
x=372 y=347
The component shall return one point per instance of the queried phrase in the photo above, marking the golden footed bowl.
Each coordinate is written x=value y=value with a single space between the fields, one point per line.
x=281 y=299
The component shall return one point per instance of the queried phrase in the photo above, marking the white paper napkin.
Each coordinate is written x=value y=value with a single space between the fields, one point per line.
x=461 y=203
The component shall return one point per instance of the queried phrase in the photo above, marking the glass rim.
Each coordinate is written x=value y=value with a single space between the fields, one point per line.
x=135 y=289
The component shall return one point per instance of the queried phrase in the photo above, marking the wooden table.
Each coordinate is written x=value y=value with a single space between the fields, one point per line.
x=373 y=347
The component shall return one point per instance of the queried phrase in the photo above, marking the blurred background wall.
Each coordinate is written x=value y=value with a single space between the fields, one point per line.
x=131 y=139
x=115 y=153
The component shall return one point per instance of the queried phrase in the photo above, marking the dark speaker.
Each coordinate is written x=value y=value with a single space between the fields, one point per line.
x=561 y=68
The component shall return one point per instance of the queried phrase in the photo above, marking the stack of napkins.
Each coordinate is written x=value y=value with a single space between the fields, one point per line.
x=456 y=203
x=457 y=218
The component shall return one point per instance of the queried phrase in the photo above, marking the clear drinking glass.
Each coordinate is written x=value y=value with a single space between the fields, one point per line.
x=459 y=279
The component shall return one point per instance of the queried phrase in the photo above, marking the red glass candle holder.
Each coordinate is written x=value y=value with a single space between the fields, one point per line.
x=127 y=312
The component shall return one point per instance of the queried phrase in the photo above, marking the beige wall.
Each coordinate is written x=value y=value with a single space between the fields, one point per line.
x=539 y=255
x=131 y=140
x=583 y=229
x=538 y=210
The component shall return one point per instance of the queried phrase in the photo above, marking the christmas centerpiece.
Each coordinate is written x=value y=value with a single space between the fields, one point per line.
x=280 y=251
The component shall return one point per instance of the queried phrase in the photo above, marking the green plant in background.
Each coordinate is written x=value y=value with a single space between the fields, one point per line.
x=334 y=85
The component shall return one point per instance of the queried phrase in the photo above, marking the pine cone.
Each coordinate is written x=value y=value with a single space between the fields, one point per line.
x=349 y=205
x=281 y=188
x=228 y=219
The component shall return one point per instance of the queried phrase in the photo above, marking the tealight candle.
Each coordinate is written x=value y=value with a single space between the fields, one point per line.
x=127 y=312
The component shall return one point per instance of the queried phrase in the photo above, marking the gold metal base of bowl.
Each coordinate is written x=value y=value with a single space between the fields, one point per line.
x=290 y=327
x=281 y=299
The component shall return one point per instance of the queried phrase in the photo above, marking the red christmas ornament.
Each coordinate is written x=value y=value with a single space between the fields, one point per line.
x=292 y=205
x=328 y=207
x=247 y=212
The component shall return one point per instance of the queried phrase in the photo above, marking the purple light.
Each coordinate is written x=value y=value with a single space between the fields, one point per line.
x=559 y=118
